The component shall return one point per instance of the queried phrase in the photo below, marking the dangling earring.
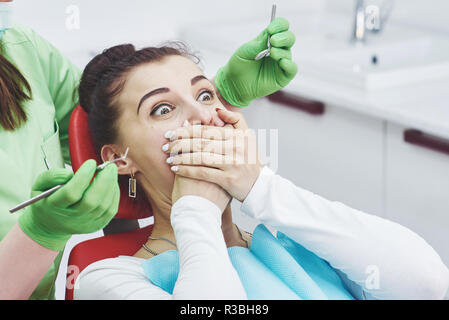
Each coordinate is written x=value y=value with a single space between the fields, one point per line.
x=132 y=186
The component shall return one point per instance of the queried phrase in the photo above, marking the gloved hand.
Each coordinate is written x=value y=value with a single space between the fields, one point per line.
x=243 y=79
x=76 y=208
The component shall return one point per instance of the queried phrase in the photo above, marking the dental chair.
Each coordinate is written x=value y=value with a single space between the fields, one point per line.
x=122 y=236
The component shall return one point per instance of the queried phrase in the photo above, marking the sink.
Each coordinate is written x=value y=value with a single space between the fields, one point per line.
x=382 y=66
x=400 y=55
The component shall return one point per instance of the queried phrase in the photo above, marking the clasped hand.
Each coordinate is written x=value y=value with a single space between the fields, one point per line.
x=225 y=156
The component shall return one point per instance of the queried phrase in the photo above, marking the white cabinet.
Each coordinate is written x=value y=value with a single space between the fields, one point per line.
x=336 y=154
x=417 y=189
x=363 y=162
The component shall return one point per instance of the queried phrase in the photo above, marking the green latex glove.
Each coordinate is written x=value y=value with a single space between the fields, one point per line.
x=243 y=79
x=76 y=208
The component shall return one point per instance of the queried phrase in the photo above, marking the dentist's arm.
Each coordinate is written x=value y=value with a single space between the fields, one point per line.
x=356 y=243
x=387 y=260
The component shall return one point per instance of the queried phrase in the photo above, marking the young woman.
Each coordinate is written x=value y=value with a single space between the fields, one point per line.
x=37 y=86
x=186 y=157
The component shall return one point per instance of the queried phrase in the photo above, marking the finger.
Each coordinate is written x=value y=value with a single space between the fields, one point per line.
x=284 y=39
x=74 y=189
x=108 y=208
x=200 y=173
x=99 y=217
x=201 y=159
x=198 y=144
x=249 y=50
x=51 y=178
x=278 y=25
x=110 y=212
x=200 y=131
x=277 y=54
x=100 y=189
x=111 y=207
x=235 y=118
x=289 y=68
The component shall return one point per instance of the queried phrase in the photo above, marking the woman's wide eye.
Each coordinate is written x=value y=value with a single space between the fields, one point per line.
x=162 y=109
x=206 y=95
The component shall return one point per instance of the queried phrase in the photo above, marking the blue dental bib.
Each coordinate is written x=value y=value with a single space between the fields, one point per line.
x=273 y=268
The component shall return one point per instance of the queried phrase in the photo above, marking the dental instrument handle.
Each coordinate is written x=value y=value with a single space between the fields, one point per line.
x=266 y=52
x=273 y=12
x=273 y=16
x=50 y=191
x=36 y=198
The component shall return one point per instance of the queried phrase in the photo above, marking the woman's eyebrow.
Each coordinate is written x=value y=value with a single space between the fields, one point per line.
x=198 y=78
x=164 y=90
x=151 y=93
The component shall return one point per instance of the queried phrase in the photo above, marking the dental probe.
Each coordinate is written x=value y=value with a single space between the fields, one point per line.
x=50 y=191
x=266 y=52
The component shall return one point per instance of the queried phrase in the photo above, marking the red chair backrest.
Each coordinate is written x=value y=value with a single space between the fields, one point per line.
x=82 y=148
x=109 y=246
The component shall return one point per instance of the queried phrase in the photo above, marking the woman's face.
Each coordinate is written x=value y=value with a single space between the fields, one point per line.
x=157 y=97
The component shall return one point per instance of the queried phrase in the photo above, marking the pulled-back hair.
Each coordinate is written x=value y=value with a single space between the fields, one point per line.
x=104 y=78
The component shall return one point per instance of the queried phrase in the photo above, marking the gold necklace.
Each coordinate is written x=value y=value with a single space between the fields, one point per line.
x=154 y=252
x=174 y=244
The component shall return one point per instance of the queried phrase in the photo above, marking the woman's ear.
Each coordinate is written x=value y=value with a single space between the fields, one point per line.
x=110 y=152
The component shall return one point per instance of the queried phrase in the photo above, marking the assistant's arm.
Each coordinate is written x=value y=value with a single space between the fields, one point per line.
x=23 y=263
x=356 y=243
x=205 y=270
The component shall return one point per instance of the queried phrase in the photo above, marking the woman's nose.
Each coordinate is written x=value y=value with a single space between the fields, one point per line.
x=204 y=115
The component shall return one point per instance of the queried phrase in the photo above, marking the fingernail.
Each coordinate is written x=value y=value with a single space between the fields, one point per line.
x=165 y=147
x=174 y=168
x=186 y=123
x=168 y=134
x=169 y=159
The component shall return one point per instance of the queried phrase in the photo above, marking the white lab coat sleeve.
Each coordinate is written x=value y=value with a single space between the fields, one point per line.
x=205 y=270
x=386 y=259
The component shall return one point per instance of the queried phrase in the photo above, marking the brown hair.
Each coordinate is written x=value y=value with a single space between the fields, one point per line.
x=14 y=90
x=104 y=78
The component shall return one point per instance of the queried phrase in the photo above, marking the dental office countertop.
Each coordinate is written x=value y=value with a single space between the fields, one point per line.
x=422 y=105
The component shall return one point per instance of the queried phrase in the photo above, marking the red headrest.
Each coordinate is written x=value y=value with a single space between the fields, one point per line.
x=82 y=149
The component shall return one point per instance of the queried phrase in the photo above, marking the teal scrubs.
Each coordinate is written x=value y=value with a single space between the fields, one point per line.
x=42 y=142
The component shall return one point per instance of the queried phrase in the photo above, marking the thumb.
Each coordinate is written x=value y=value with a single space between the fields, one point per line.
x=234 y=118
x=250 y=49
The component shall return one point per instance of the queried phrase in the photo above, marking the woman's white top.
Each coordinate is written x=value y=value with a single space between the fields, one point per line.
x=376 y=258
